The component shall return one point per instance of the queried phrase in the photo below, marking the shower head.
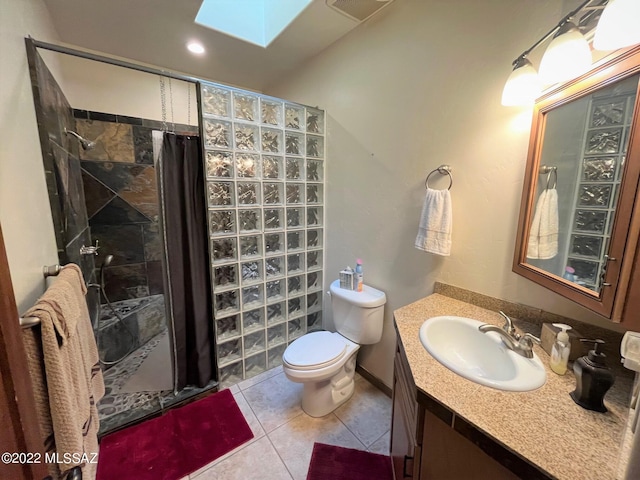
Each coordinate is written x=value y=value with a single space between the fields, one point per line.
x=86 y=144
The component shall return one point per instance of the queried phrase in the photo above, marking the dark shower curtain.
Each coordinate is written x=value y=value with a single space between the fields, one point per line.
x=188 y=259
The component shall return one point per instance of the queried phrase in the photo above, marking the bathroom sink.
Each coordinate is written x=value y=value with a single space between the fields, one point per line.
x=480 y=357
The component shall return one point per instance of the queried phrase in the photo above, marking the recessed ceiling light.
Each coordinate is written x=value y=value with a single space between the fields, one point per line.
x=195 y=47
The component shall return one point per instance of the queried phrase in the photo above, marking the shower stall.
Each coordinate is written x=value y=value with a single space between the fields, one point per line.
x=263 y=164
x=122 y=200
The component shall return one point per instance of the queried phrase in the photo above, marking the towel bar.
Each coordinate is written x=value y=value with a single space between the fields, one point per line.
x=47 y=271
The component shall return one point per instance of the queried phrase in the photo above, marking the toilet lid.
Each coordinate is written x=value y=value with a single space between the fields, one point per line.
x=315 y=350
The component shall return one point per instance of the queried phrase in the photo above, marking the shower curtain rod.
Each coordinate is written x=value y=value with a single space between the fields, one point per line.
x=110 y=61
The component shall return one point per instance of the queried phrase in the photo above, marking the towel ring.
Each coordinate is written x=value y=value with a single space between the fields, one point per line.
x=548 y=170
x=554 y=171
x=442 y=170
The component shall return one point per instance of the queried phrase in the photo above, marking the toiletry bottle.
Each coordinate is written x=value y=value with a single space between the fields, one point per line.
x=593 y=378
x=359 y=276
x=347 y=279
x=570 y=274
x=560 y=351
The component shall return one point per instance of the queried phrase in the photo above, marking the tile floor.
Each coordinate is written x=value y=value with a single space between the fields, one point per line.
x=284 y=434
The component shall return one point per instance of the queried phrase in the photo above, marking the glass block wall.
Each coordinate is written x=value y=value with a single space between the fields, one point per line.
x=265 y=191
x=604 y=152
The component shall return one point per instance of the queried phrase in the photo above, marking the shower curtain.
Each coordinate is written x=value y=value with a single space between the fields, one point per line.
x=185 y=224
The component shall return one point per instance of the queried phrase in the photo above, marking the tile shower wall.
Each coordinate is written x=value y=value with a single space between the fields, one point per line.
x=265 y=192
x=122 y=201
x=62 y=170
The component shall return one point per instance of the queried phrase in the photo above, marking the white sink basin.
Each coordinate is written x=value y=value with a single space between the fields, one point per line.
x=480 y=357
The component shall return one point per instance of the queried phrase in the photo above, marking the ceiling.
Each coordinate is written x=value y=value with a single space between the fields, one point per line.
x=156 y=31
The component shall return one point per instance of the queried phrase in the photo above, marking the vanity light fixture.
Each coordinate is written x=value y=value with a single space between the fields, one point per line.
x=618 y=25
x=195 y=47
x=568 y=55
x=523 y=85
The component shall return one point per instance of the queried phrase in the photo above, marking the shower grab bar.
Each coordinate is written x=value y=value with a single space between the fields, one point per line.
x=47 y=271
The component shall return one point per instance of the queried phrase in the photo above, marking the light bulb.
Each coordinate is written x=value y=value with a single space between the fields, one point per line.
x=523 y=85
x=567 y=56
x=618 y=25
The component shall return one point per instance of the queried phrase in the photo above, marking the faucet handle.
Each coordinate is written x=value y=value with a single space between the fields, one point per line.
x=90 y=250
x=528 y=340
x=508 y=326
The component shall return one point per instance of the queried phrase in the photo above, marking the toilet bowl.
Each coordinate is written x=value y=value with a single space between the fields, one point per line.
x=325 y=362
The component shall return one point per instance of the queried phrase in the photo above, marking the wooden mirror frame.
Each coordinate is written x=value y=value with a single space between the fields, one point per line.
x=626 y=226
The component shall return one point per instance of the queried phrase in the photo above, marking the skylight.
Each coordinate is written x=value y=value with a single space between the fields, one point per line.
x=254 y=21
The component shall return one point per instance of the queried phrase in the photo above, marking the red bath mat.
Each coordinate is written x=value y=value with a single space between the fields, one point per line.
x=177 y=443
x=339 y=463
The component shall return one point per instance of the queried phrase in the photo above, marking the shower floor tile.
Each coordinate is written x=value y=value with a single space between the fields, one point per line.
x=117 y=408
x=284 y=434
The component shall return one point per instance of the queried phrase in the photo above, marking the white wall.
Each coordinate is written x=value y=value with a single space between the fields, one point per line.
x=100 y=87
x=416 y=87
x=25 y=214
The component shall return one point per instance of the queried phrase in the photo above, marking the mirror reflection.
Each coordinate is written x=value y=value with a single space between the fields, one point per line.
x=580 y=169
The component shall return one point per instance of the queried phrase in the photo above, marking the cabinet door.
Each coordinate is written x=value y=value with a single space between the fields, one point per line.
x=402 y=441
x=404 y=429
x=447 y=455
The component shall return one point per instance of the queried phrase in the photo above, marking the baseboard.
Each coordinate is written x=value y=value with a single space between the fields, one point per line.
x=373 y=380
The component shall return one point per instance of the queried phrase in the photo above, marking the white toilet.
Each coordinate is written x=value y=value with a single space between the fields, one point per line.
x=325 y=362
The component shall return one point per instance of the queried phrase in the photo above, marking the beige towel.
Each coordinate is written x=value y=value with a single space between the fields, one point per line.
x=543 y=236
x=434 y=231
x=65 y=371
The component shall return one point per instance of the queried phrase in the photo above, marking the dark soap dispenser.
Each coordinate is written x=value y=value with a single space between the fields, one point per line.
x=593 y=378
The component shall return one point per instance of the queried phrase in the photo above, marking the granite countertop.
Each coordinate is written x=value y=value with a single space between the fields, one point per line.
x=544 y=426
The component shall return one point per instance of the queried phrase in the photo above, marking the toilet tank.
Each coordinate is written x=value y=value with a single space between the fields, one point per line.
x=358 y=316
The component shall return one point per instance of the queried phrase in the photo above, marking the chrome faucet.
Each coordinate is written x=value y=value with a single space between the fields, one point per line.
x=522 y=345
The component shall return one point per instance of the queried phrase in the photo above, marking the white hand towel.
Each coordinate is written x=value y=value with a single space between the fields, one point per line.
x=543 y=236
x=434 y=232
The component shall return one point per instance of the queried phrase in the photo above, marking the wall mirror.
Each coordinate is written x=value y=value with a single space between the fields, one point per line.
x=577 y=233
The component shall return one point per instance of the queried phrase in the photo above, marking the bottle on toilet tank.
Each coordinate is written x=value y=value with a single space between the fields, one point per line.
x=359 y=276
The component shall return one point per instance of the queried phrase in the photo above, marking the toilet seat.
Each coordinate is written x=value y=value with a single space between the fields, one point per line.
x=315 y=350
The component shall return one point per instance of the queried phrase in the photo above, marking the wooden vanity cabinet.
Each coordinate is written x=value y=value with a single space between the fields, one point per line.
x=449 y=455
x=429 y=442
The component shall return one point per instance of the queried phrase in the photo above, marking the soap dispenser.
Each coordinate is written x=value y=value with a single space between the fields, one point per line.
x=593 y=378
